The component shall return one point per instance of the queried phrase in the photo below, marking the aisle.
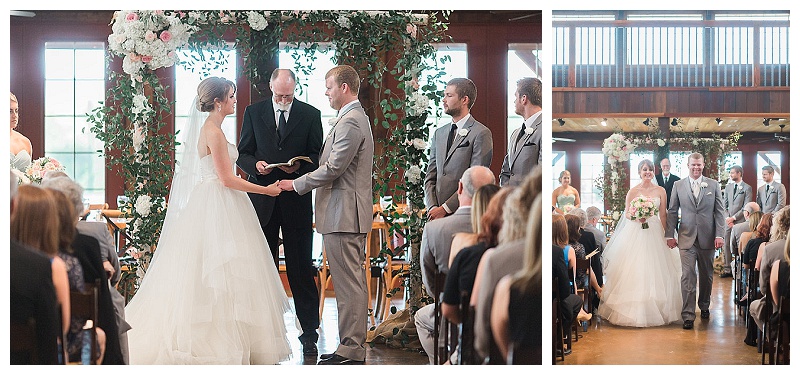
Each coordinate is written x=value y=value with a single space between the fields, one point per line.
x=718 y=340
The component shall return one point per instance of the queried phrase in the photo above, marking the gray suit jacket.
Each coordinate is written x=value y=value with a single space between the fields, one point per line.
x=522 y=156
x=437 y=237
x=734 y=204
x=445 y=168
x=505 y=259
x=344 y=177
x=736 y=234
x=772 y=251
x=774 y=200
x=702 y=219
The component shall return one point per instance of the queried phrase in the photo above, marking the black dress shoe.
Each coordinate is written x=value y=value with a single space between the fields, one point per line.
x=309 y=347
x=339 y=360
x=750 y=342
x=326 y=356
x=725 y=275
x=704 y=314
x=688 y=324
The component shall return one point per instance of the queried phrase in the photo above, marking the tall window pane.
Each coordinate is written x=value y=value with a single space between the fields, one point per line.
x=455 y=66
x=765 y=158
x=74 y=85
x=592 y=164
x=559 y=164
x=523 y=61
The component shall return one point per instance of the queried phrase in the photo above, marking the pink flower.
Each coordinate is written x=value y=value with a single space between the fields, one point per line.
x=134 y=57
x=159 y=12
x=149 y=36
x=171 y=54
x=147 y=59
x=131 y=17
x=165 y=36
x=411 y=29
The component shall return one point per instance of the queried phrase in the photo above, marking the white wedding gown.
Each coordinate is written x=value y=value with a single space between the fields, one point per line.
x=212 y=294
x=643 y=275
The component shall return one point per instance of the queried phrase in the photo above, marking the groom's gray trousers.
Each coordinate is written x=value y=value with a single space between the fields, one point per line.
x=696 y=261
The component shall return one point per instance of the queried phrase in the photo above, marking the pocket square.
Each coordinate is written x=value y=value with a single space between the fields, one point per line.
x=709 y=193
x=529 y=144
x=465 y=144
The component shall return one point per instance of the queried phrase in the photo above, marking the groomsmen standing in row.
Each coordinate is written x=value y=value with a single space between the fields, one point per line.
x=456 y=146
x=525 y=145
x=772 y=195
x=737 y=194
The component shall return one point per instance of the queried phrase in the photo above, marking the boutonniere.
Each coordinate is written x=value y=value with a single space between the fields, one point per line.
x=703 y=185
x=333 y=121
x=463 y=132
x=528 y=131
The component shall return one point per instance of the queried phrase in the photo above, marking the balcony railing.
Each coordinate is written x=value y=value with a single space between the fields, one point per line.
x=630 y=54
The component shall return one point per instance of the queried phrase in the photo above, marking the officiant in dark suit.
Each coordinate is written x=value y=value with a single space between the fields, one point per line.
x=666 y=179
x=274 y=131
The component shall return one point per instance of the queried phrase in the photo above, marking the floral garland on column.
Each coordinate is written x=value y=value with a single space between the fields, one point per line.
x=617 y=148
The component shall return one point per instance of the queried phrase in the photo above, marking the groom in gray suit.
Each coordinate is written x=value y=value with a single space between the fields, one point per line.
x=344 y=209
x=701 y=231
x=737 y=194
x=525 y=146
x=455 y=147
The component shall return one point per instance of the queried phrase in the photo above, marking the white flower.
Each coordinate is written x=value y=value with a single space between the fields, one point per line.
x=463 y=132
x=694 y=142
x=138 y=136
x=256 y=20
x=419 y=144
x=414 y=174
x=615 y=215
x=661 y=143
x=343 y=21
x=529 y=130
x=143 y=205
x=703 y=185
x=140 y=104
x=417 y=104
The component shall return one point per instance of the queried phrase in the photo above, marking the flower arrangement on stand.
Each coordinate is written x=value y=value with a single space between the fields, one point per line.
x=617 y=148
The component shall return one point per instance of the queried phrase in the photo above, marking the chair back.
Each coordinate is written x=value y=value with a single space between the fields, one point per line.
x=767 y=344
x=84 y=305
x=782 y=329
x=466 y=352
x=23 y=343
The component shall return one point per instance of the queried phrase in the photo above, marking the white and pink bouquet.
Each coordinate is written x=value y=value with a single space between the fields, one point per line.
x=642 y=208
x=39 y=167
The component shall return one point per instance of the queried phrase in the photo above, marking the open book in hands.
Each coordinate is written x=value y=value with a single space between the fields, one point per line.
x=290 y=162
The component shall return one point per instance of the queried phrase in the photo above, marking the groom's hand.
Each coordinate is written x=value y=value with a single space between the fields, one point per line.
x=286 y=185
x=718 y=242
x=671 y=243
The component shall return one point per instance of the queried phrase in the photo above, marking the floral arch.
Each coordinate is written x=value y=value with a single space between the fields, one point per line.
x=388 y=48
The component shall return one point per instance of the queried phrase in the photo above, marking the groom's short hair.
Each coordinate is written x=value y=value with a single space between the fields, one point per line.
x=737 y=169
x=697 y=155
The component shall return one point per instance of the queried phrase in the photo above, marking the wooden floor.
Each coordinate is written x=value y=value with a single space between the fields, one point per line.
x=718 y=340
x=380 y=354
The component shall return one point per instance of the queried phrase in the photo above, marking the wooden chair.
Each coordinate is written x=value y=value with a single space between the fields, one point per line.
x=85 y=305
x=466 y=346
x=782 y=328
x=586 y=292
x=117 y=229
x=767 y=344
x=23 y=343
x=441 y=326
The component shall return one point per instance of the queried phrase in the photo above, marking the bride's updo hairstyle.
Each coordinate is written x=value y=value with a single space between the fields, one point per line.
x=210 y=89
x=647 y=163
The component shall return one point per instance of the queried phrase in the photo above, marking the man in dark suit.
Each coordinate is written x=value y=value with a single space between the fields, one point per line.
x=665 y=179
x=455 y=146
x=274 y=131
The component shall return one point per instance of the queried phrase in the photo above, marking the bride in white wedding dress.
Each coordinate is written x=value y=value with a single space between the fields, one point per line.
x=642 y=287
x=212 y=294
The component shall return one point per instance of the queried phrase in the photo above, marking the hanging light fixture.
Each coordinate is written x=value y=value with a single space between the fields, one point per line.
x=561 y=122
x=766 y=122
x=646 y=122
x=604 y=122
x=674 y=121
x=719 y=121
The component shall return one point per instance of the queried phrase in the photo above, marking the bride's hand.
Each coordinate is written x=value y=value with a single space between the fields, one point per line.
x=272 y=189
x=642 y=220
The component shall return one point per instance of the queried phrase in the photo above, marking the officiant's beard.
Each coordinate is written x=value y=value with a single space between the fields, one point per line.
x=283 y=106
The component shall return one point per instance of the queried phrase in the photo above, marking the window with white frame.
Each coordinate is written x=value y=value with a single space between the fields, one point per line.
x=523 y=61
x=771 y=158
x=559 y=164
x=592 y=166
x=74 y=85
x=452 y=57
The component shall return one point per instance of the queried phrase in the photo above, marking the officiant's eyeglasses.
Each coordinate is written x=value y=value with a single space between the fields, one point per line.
x=283 y=97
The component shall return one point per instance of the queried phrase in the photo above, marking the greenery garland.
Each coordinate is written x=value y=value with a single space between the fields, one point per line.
x=386 y=47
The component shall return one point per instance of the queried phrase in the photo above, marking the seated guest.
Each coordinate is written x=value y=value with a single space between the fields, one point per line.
x=739 y=228
x=66 y=215
x=582 y=279
x=461 y=276
x=500 y=261
x=593 y=216
x=32 y=296
x=87 y=250
x=758 y=236
x=479 y=202
x=560 y=233
x=768 y=254
x=779 y=279
x=752 y=224
x=590 y=244
x=34 y=225
x=516 y=317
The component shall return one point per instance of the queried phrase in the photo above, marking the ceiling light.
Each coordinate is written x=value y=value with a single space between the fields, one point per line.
x=719 y=121
x=674 y=121
x=766 y=122
x=646 y=121
x=561 y=122
x=604 y=122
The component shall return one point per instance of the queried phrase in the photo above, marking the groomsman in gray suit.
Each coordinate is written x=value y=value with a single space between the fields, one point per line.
x=344 y=209
x=771 y=196
x=737 y=194
x=700 y=232
x=463 y=143
x=525 y=146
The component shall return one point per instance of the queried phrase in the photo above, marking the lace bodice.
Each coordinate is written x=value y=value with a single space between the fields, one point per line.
x=207 y=170
x=564 y=200
x=21 y=160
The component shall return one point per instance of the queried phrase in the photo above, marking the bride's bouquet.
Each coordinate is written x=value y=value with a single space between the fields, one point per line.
x=642 y=208
x=39 y=167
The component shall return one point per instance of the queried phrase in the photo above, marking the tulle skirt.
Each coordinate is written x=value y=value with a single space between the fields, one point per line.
x=642 y=287
x=212 y=294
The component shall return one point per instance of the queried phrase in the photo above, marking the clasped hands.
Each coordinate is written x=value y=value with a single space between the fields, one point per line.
x=285 y=185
